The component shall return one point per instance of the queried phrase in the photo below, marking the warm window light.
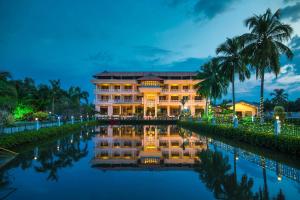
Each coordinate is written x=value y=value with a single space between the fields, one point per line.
x=277 y=117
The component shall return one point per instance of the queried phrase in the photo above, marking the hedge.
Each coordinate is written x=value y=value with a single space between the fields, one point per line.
x=282 y=143
x=43 y=134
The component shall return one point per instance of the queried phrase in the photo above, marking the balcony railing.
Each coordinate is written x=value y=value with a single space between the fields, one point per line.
x=118 y=101
x=97 y=91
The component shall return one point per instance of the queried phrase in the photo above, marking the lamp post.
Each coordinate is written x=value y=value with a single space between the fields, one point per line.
x=37 y=123
x=277 y=126
x=235 y=122
x=58 y=118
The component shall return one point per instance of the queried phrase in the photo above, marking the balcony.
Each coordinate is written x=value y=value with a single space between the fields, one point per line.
x=112 y=91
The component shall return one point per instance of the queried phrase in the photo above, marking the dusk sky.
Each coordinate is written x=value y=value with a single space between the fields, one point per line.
x=71 y=40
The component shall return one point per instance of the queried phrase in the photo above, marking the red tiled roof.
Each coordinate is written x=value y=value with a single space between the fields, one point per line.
x=141 y=74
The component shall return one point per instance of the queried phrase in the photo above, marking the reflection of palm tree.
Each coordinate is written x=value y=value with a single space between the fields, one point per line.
x=51 y=160
x=265 y=192
x=214 y=171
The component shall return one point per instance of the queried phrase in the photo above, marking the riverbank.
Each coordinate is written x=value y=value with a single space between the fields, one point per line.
x=43 y=134
x=283 y=143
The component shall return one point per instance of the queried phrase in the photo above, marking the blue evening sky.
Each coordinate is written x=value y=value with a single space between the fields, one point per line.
x=73 y=39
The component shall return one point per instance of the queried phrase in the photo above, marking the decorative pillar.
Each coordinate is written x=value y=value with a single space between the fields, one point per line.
x=192 y=108
x=133 y=110
x=168 y=111
x=110 y=111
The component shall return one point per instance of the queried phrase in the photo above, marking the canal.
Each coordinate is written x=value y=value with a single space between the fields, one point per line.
x=145 y=162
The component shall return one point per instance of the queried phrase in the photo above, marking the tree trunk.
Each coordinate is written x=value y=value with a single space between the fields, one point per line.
x=206 y=106
x=52 y=105
x=262 y=97
x=233 y=93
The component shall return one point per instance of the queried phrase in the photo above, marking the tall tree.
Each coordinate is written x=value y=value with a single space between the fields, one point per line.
x=212 y=83
x=264 y=44
x=232 y=62
x=280 y=97
x=55 y=92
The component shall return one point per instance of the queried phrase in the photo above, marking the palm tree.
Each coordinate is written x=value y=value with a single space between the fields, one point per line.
x=280 y=97
x=212 y=83
x=4 y=76
x=55 y=92
x=264 y=44
x=232 y=62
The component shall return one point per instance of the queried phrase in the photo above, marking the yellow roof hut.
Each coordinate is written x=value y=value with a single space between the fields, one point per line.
x=244 y=109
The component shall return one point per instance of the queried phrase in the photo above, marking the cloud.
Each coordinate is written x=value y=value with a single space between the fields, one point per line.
x=209 y=9
x=150 y=51
x=203 y=9
x=189 y=64
x=295 y=42
x=291 y=12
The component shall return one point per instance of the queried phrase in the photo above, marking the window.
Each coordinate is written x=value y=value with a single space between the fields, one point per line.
x=104 y=98
x=103 y=110
x=174 y=87
x=128 y=87
x=174 y=98
x=185 y=87
x=116 y=110
x=198 y=98
x=185 y=97
x=162 y=98
x=117 y=87
x=104 y=87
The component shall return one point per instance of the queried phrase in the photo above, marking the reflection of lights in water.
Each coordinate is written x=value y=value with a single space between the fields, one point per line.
x=36 y=153
x=58 y=145
x=236 y=158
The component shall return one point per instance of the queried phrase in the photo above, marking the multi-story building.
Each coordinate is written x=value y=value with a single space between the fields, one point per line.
x=148 y=94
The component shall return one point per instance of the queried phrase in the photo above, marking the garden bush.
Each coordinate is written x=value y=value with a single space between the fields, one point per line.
x=29 y=137
x=283 y=143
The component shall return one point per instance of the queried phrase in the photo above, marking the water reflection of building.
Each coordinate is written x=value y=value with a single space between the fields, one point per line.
x=146 y=145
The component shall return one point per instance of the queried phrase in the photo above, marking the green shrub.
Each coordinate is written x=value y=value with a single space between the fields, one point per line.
x=279 y=111
x=44 y=134
x=283 y=143
x=40 y=115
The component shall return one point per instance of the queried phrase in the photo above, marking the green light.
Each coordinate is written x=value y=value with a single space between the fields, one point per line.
x=22 y=110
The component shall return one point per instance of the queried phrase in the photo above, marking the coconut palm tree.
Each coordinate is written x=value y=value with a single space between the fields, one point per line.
x=264 y=44
x=55 y=92
x=212 y=83
x=280 y=97
x=232 y=62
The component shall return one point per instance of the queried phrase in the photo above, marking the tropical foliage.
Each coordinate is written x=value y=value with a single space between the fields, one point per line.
x=264 y=44
x=232 y=62
x=24 y=98
x=213 y=84
x=258 y=50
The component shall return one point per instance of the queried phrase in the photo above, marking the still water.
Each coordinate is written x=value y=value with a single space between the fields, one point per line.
x=145 y=162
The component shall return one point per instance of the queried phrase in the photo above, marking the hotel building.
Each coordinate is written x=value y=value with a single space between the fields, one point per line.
x=147 y=94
